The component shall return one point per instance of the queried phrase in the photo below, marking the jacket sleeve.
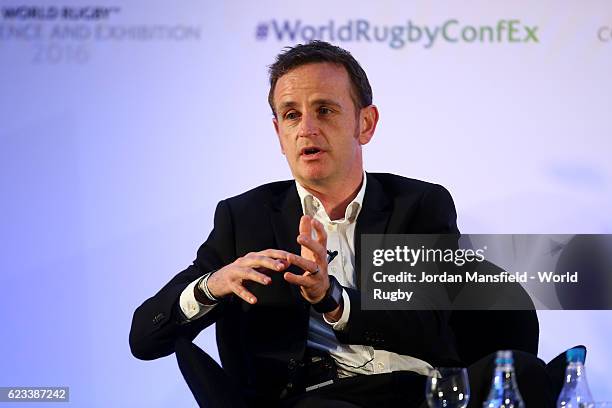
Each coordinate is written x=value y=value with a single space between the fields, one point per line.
x=158 y=322
x=424 y=334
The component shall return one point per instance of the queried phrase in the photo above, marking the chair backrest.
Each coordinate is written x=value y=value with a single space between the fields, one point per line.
x=480 y=333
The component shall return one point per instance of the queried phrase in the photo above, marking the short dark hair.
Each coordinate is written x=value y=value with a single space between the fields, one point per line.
x=321 y=51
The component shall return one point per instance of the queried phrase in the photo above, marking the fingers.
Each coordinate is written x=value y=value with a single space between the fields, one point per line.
x=318 y=251
x=272 y=259
x=312 y=287
x=252 y=275
x=320 y=230
x=274 y=253
x=230 y=278
x=305 y=281
x=253 y=266
x=303 y=263
x=243 y=293
x=248 y=274
x=305 y=225
x=308 y=224
x=260 y=261
x=305 y=230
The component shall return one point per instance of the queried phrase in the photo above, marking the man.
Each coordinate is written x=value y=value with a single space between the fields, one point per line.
x=279 y=273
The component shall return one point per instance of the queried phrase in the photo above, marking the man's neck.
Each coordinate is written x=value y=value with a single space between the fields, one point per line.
x=335 y=198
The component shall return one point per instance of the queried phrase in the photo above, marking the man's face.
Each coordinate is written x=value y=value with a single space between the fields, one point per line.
x=317 y=124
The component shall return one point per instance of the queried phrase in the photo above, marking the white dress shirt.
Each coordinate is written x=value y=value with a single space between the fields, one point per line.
x=351 y=359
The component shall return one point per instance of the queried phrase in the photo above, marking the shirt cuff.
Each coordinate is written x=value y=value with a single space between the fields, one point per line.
x=343 y=321
x=191 y=308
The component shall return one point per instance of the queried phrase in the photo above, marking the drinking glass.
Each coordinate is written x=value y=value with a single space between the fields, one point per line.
x=448 y=387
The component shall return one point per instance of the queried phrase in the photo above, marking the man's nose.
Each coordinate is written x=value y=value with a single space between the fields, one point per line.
x=308 y=126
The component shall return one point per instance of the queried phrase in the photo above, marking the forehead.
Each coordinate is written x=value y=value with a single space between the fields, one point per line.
x=315 y=80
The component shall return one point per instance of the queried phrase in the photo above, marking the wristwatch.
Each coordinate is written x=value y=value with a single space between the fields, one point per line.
x=332 y=297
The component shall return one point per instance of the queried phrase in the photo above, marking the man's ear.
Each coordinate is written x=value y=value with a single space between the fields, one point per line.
x=368 y=119
x=275 y=122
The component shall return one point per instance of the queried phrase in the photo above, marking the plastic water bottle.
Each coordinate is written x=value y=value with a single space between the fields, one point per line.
x=504 y=391
x=575 y=392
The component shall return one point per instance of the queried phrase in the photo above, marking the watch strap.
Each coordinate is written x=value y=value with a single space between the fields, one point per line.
x=332 y=298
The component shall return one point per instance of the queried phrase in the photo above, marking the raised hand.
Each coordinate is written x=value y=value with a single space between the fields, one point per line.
x=314 y=282
x=230 y=279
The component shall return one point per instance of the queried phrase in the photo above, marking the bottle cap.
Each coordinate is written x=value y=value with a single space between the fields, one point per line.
x=576 y=355
x=504 y=357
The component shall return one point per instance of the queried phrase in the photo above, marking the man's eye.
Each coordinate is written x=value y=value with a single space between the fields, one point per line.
x=324 y=111
x=291 y=115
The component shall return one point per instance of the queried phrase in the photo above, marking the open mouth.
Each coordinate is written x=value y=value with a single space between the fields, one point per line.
x=310 y=151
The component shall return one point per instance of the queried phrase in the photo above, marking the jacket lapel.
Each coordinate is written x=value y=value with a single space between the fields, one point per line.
x=373 y=218
x=285 y=214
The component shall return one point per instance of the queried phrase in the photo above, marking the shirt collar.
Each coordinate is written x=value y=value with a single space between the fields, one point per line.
x=311 y=204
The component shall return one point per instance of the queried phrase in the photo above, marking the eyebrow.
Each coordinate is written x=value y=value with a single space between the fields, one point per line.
x=326 y=102
x=322 y=101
